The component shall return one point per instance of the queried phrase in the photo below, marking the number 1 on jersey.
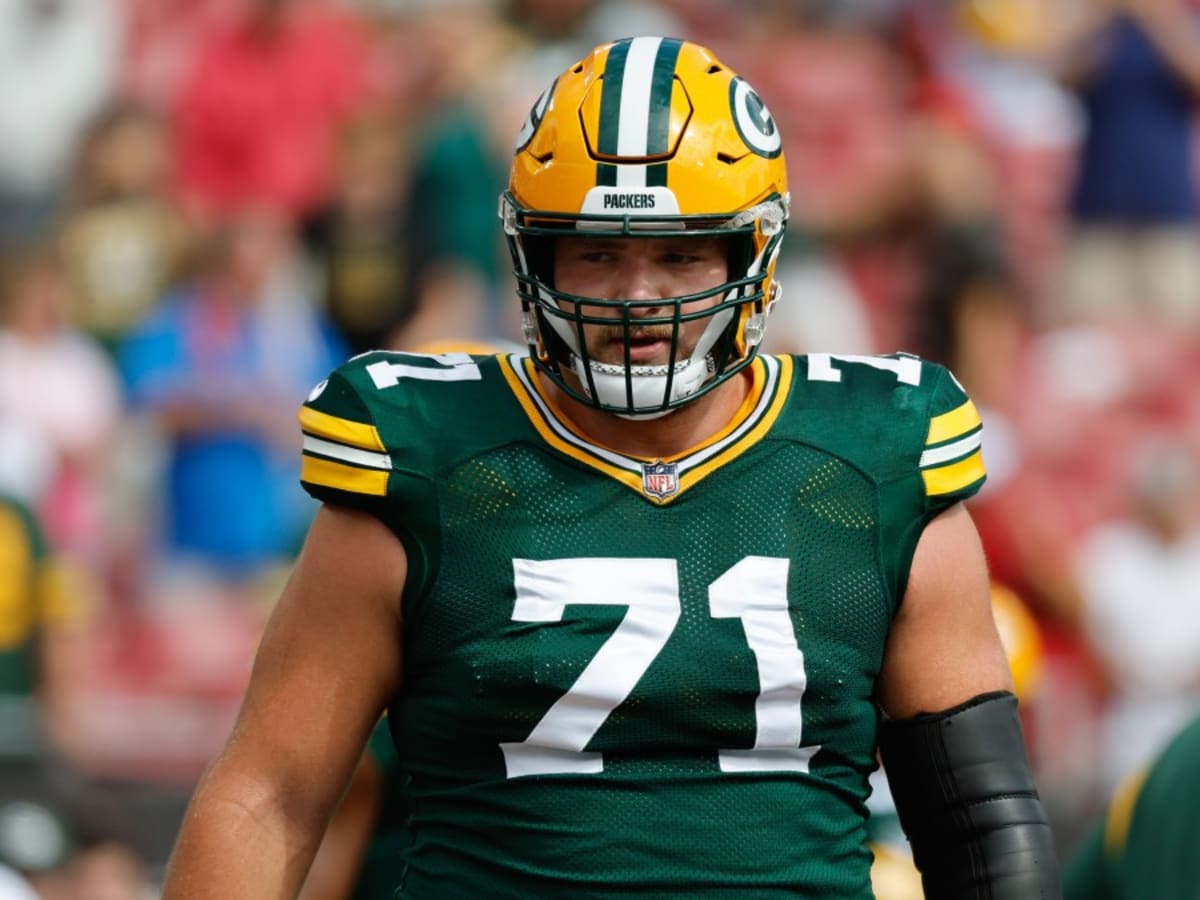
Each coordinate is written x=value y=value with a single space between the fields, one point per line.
x=754 y=591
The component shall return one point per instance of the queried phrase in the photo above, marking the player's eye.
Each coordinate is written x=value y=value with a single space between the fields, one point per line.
x=681 y=258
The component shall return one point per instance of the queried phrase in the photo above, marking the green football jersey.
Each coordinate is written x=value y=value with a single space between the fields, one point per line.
x=642 y=677
x=1145 y=847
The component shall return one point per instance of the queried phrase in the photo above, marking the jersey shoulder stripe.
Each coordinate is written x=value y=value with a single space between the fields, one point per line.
x=955 y=477
x=898 y=417
x=961 y=420
x=1120 y=812
x=320 y=472
x=343 y=449
x=953 y=459
x=362 y=435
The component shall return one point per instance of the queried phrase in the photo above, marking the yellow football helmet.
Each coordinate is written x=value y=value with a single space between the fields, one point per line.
x=647 y=137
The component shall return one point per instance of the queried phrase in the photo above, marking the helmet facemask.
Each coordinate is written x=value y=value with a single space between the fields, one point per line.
x=557 y=323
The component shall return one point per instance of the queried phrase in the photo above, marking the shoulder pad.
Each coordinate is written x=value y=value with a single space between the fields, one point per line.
x=952 y=459
x=343 y=450
x=911 y=413
x=387 y=413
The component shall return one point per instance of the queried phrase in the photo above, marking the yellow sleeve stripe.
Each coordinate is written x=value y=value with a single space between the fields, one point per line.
x=1120 y=812
x=953 y=424
x=327 y=473
x=345 y=431
x=954 y=477
x=17 y=605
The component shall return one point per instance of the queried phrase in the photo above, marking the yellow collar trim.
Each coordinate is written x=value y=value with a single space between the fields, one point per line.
x=770 y=386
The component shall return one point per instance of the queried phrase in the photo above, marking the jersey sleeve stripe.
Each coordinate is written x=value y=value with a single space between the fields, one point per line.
x=953 y=424
x=329 y=473
x=944 y=454
x=1120 y=812
x=954 y=477
x=351 y=455
x=335 y=428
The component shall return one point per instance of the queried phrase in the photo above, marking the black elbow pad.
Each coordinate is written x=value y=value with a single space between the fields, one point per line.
x=967 y=802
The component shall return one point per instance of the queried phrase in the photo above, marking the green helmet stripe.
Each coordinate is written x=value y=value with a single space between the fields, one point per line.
x=647 y=66
x=610 y=100
x=661 y=84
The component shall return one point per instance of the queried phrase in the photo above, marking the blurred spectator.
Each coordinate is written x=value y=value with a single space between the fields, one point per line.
x=41 y=618
x=59 y=389
x=989 y=61
x=359 y=241
x=108 y=870
x=460 y=161
x=222 y=366
x=970 y=317
x=38 y=611
x=123 y=241
x=1136 y=246
x=258 y=115
x=1140 y=581
x=572 y=27
x=459 y=167
x=878 y=165
x=58 y=61
x=162 y=38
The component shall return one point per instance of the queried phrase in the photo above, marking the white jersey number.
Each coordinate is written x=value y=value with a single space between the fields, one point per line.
x=907 y=369
x=447 y=367
x=754 y=591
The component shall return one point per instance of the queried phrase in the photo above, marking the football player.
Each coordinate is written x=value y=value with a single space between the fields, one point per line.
x=1145 y=844
x=643 y=603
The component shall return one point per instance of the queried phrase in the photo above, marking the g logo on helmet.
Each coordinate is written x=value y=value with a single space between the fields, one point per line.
x=754 y=122
x=530 y=126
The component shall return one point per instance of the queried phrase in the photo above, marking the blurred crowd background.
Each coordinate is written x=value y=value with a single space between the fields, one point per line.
x=207 y=204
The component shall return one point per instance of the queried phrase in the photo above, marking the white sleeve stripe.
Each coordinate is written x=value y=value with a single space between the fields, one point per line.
x=959 y=448
x=347 y=454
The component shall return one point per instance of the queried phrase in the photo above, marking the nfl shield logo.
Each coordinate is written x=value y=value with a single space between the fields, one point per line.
x=659 y=479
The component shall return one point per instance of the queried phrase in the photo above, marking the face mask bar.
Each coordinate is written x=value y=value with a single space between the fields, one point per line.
x=566 y=318
x=554 y=321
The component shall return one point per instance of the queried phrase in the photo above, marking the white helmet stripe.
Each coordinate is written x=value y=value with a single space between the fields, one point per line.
x=633 y=122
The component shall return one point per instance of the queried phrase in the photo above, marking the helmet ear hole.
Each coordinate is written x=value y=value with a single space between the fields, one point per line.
x=739 y=254
x=553 y=350
x=539 y=257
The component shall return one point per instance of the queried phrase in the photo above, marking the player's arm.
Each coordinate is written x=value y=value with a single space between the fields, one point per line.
x=335 y=871
x=328 y=662
x=952 y=744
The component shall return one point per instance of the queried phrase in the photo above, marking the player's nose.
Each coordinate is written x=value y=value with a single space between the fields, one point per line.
x=639 y=279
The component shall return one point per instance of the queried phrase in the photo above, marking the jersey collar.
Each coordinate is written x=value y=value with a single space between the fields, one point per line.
x=661 y=480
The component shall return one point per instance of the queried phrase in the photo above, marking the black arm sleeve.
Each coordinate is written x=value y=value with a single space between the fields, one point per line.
x=968 y=804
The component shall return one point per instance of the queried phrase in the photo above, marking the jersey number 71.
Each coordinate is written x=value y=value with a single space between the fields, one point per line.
x=754 y=590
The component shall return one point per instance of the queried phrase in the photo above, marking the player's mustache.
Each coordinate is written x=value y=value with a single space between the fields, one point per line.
x=608 y=333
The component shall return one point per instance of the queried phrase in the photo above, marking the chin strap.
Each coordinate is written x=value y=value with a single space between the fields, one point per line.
x=646 y=383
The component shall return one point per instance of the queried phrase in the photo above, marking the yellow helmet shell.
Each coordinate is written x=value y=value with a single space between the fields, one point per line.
x=651 y=113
